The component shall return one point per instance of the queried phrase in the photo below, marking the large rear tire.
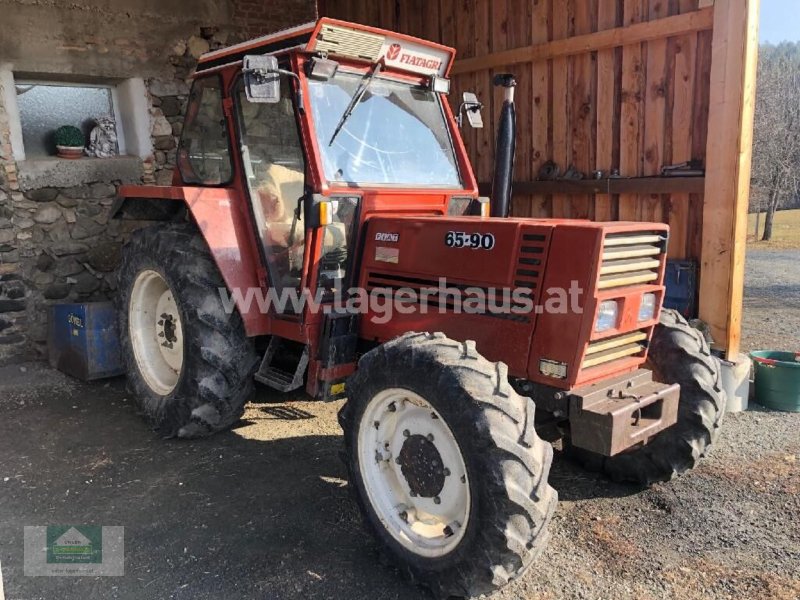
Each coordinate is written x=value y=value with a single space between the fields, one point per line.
x=189 y=362
x=445 y=464
x=679 y=354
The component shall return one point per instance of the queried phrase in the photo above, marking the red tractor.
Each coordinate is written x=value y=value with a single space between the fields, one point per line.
x=320 y=170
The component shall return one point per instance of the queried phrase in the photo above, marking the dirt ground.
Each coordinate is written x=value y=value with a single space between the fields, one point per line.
x=264 y=511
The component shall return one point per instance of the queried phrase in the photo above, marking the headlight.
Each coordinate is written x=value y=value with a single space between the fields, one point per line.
x=647 y=309
x=607 y=316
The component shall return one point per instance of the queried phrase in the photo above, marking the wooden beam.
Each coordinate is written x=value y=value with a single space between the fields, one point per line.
x=609 y=16
x=636 y=185
x=699 y=20
x=728 y=165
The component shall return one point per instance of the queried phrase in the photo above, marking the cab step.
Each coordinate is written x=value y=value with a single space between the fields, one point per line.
x=278 y=373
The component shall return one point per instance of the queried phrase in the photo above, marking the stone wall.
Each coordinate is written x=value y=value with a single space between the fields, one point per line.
x=57 y=243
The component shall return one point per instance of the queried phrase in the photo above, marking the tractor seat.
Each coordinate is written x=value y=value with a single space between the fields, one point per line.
x=278 y=194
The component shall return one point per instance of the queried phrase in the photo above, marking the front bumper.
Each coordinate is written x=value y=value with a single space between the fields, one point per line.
x=613 y=415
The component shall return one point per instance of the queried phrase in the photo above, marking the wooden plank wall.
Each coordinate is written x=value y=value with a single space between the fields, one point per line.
x=611 y=85
x=605 y=106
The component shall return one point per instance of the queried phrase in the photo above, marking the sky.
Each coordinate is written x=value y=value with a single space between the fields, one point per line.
x=779 y=21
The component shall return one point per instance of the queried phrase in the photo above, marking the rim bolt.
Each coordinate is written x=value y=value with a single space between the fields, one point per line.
x=406 y=433
x=404 y=516
x=437 y=500
x=430 y=437
x=446 y=472
x=392 y=407
x=377 y=424
x=433 y=416
x=448 y=531
x=463 y=479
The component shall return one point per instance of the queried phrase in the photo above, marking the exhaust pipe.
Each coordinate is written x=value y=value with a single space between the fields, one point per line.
x=506 y=149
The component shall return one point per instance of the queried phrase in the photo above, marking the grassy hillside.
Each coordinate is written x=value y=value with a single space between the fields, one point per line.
x=785 y=231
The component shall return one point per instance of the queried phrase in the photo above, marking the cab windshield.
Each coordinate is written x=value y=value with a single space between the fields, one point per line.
x=396 y=136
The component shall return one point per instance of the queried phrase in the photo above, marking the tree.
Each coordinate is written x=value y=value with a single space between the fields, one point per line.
x=776 y=149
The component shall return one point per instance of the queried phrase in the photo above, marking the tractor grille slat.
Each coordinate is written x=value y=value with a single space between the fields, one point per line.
x=630 y=259
x=609 y=344
x=611 y=349
x=627 y=266
x=628 y=239
x=634 y=251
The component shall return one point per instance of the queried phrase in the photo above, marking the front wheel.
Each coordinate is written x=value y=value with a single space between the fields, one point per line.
x=445 y=464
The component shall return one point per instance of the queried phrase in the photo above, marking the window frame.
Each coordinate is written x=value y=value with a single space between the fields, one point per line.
x=341 y=186
x=122 y=149
x=226 y=120
x=237 y=116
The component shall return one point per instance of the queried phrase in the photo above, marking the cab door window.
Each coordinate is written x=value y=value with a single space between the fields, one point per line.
x=273 y=161
x=204 y=156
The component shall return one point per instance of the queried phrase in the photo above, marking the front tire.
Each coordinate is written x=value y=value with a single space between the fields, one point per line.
x=445 y=464
x=189 y=362
x=678 y=353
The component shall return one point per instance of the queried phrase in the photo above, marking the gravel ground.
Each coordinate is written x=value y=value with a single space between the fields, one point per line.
x=771 y=318
x=263 y=511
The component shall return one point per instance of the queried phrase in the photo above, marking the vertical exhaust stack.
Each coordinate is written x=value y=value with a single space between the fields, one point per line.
x=506 y=149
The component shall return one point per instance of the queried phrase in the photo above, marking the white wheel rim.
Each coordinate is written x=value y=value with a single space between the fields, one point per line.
x=429 y=526
x=156 y=332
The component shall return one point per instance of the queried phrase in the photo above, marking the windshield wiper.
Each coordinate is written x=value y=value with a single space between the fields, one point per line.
x=357 y=97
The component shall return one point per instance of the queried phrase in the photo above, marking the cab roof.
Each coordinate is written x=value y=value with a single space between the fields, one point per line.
x=340 y=39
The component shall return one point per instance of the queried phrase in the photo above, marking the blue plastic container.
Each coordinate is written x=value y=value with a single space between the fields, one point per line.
x=83 y=340
x=680 y=280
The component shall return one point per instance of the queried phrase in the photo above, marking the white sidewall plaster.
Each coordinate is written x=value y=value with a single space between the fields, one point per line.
x=134 y=117
x=9 y=102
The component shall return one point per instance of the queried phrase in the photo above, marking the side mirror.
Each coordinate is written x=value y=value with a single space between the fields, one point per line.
x=472 y=107
x=322 y=69
x=262 y=79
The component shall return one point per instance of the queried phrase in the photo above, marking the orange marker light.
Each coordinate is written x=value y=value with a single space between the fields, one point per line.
x=325 y=213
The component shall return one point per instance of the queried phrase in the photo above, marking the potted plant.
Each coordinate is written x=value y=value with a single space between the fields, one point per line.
x=69 y=142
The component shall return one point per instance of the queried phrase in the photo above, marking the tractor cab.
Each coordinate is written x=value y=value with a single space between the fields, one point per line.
x=326 y=122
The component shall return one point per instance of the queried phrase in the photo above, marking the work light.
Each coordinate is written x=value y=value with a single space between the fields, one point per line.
x=647 y=309
x=607 y=316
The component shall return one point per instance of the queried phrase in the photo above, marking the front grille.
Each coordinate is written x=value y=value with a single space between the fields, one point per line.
x=530 y=262
x=630 y=259
x=615 y=348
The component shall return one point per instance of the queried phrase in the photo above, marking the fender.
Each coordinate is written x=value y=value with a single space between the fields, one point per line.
x=225 y=228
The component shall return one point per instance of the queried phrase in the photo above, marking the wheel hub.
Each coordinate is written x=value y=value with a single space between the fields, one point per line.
x=156 y=332
x=421 y=465
x=168 y=328
x=414 y=472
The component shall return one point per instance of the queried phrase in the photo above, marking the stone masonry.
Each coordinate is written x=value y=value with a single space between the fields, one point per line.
x=57 y=244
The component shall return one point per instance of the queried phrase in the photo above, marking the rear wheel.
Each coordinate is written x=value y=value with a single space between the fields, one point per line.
x=445 y=464
x=189 y=362
x=678 y=353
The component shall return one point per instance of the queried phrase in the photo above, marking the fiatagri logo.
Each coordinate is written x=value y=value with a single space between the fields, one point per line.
x=395 y=52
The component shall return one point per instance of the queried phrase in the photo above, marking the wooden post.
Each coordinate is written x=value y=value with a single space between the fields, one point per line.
x=729 y=153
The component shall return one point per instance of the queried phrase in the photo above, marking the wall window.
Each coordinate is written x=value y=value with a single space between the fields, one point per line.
x=204 y=155
x=44 y=107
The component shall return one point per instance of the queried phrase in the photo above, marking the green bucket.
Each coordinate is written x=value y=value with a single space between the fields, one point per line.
x=777 y=377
